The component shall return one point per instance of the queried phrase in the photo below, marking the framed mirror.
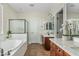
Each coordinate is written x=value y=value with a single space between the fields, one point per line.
x=72 y=22
x=49 y=26
x=17 y=26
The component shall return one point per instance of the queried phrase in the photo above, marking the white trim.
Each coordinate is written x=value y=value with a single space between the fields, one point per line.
x=2 y=18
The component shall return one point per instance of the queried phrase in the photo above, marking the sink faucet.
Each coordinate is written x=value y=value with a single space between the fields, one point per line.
x=48 y=33
x=2 y=52
x=8 y=53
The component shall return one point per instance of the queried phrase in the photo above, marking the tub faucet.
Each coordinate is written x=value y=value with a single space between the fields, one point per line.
x=2 y=52
x=8 y=53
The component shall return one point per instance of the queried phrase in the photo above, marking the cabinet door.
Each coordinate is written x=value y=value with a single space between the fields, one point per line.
x=59 y=51
x=65 y=54
x=52 y=49
x=47 y=43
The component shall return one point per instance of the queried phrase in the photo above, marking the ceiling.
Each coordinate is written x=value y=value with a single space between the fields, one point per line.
x=73 y=7
x=32 y=7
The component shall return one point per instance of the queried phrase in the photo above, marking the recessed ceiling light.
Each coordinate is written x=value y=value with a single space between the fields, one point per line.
x=31 y=5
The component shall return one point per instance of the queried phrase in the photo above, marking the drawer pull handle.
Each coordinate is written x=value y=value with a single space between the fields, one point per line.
x=59 y=50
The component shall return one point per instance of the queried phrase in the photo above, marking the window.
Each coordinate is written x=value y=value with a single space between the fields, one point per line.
x=17 y=26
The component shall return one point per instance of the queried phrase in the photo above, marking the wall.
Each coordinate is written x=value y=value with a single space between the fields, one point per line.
x=39 y=18
x=72 y=15
x=8 y=13
x=32 y=18
x=56 y=8
x=35 y=21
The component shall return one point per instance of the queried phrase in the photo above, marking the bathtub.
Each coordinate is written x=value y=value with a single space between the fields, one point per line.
x=15 y=46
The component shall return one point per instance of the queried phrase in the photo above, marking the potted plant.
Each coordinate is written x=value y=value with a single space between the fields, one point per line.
x=8 y=34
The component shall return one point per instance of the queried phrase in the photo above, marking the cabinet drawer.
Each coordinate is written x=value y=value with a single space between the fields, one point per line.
x=47 y=43
x=65 y=54
x=55 y=50
x=52 y=49
x=59 y=51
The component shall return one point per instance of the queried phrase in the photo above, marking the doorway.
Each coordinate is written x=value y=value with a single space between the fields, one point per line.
x=59 y=23
x=34 y=30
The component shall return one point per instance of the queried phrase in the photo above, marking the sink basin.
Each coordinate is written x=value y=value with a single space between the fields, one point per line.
x=76 y=39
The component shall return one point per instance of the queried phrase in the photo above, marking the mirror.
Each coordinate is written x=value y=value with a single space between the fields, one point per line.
x=49 y=26
x=59 y=18
x=72 y=23
x=17 y=26
x=72 y=27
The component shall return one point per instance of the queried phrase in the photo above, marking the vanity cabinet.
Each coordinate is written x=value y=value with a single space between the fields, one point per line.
x=46 y=43
x=52 y=49
x=55 y=50
x=59 y=51
x=65 y=54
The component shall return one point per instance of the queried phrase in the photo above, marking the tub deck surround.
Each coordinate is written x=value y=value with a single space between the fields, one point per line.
x=11 y=45
x=17 y=45
x=67 y=46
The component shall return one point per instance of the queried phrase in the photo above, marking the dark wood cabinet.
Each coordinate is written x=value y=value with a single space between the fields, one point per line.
x=59 y=51
x=65 y=54
x=47 y=43
x=52 y=49
x=55 y=50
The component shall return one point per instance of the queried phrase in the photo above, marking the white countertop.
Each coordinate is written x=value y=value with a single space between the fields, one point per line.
x=67 y=46
x=45 y=35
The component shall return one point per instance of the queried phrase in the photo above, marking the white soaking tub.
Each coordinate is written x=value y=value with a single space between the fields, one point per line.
x=14 y=46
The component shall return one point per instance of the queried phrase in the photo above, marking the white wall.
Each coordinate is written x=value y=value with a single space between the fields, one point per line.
x=32 y=17
x=35 y=20
x=38 y=18
x=56 y=8
x=8 y=13
x=72 y=15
